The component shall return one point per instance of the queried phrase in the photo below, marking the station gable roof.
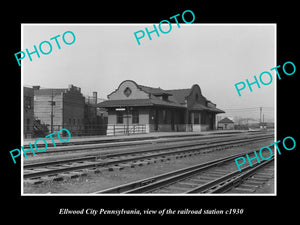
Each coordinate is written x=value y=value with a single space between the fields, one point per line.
x=154 y=91
x=226 y=120
x=156 y=97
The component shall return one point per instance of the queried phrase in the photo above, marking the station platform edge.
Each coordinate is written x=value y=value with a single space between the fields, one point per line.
x=152 y=135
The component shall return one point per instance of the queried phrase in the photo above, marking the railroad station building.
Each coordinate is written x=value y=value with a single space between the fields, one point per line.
x=135 y=108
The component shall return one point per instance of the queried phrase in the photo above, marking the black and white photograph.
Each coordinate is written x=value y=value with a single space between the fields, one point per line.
x=146 y=112
x=107 y=112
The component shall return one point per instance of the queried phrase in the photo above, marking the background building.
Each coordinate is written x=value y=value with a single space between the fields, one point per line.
x=95 y=119
x=226 y=124
x=134 y=108
x=60 y=108
x=28 y=109
x=47 y=110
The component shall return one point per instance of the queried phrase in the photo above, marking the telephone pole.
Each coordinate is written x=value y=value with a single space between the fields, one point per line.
x=52 y=103
x=260 y=114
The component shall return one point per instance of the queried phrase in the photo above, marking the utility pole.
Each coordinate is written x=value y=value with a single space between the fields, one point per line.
x=260 y=115
x=52 y=104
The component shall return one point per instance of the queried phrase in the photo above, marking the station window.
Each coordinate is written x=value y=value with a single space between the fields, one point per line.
x=135 y=116
x=119 y=116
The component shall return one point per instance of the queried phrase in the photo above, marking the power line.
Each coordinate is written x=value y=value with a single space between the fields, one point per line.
x=252 y=108
x=259 y=114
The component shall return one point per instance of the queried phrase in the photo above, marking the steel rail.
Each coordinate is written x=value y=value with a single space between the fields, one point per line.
x=217 y=183
x=121 y=139
x=155 y=182
x=236 y=179
x=124 y=143
x=216 y=143
x=129 y=143
x=93 y=164
x=212 y=143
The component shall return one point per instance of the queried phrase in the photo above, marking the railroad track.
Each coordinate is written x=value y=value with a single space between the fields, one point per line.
x=124 y=144
x=135 y=142
x=111 y=152
x=127 y=139
x=68 y=167
x=217 y=176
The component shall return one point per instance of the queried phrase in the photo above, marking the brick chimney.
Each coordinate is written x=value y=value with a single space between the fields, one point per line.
x=95 y=97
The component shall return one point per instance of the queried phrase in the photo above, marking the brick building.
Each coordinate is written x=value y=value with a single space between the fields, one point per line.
x=134 y=108
x=60 y=108
x=28 y=109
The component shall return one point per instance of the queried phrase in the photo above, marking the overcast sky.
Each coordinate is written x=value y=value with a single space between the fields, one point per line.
x=213 y=56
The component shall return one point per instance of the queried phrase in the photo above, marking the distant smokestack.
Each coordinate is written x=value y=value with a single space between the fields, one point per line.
x=95 y=96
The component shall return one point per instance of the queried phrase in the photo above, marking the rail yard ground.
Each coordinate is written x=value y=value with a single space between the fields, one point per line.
x=92 y=180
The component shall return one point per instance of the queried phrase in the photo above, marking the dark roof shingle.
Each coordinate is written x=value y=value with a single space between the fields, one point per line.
x=137 y=102
x=200 y=107
x=180 y=94
x=154 y=91
x=226 y=120
x=176 y=98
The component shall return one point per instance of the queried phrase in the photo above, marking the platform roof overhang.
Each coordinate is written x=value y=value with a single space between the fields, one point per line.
x=199 y=107
x=139 y=102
